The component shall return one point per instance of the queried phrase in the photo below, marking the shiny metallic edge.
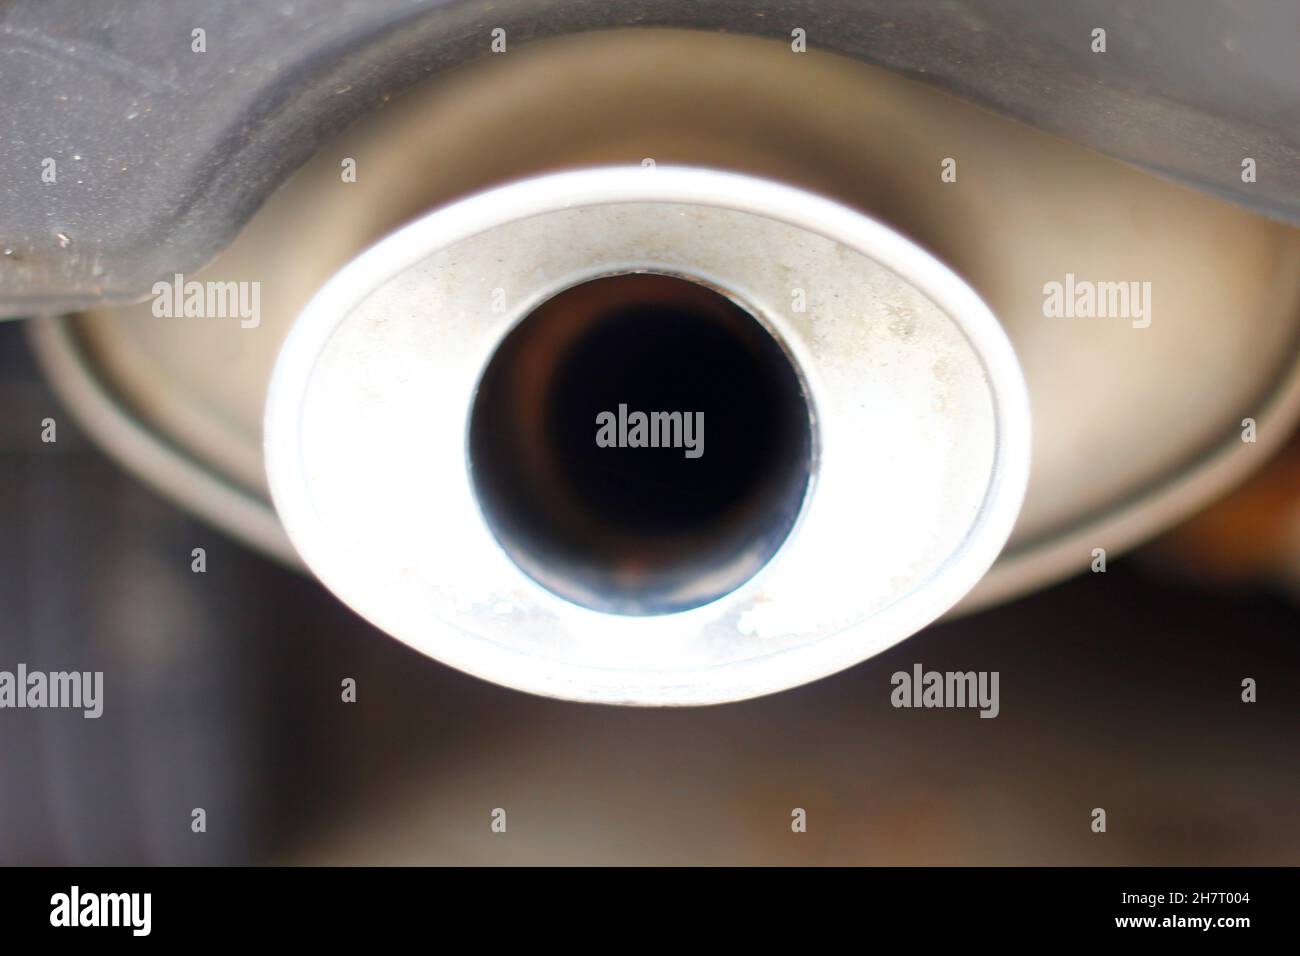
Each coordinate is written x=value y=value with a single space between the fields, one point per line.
x=763 y=674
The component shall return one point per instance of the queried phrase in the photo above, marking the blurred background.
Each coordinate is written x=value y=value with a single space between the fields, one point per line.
x=222 y=691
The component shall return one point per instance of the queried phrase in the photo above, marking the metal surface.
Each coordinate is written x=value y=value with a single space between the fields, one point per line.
x=1130 y=437
x=164 y=152
x=921 y=433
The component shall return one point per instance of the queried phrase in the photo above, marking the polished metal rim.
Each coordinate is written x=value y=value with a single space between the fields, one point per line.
x=638 y=670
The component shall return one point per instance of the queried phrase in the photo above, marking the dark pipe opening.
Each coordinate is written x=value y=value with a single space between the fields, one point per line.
x=625 y=528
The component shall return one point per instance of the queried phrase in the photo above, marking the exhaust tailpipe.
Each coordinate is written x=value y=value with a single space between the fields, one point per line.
x=647 y=435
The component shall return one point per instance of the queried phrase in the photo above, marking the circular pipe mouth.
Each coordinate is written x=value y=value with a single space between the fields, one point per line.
x=641 y=444
x=419 y=458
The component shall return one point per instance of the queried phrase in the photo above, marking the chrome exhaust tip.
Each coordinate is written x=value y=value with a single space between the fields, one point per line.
x=452 y=444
